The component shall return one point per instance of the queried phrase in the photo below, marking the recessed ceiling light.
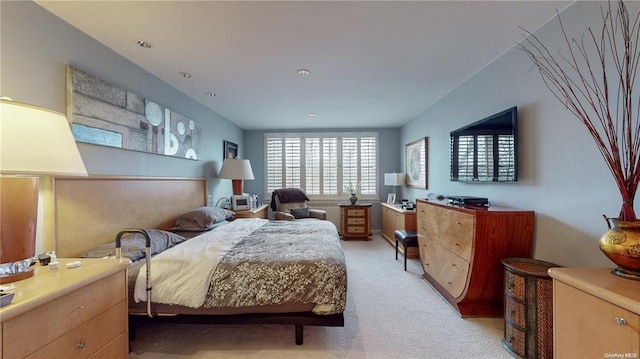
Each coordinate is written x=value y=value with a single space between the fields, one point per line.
x=312 y=114
x=303 y=72
x=186 y=75
x=211 y=94
x=144 y=44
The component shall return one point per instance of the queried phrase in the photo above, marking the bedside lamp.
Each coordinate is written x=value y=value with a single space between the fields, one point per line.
x=236 y=170
x=394 y=179
x=33 y=142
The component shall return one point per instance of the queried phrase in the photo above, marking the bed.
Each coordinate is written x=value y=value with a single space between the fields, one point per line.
x=249 y=271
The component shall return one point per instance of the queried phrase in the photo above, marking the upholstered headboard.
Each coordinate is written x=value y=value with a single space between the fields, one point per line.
x=90 y=211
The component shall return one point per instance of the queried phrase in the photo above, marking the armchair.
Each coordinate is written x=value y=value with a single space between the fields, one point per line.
x=291 y=203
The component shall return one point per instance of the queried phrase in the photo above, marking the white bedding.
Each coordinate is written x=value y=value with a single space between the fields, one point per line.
x=179 y=281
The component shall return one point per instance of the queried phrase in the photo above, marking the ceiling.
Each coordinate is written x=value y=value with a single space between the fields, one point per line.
x=371 y=63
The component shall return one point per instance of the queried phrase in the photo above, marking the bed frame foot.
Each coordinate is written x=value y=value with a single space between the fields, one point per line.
x=299 y=332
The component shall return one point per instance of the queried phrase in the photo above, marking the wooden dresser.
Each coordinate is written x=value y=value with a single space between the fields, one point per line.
x=355 y=220
x=461 y=249
x=528 y=308
x=595 y=314
x=69 y=313
x=394 y=218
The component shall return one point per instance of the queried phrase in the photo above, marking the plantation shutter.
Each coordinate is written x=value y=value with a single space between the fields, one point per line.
x=275 y=158
x=312 y=165
x=329 y=166
x=368 y=165
x=350 y=160
x=321 y=164
x=292 y=162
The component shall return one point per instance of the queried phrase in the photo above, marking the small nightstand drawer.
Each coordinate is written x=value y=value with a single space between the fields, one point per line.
x=356 y=212
x=514 y=285
x=515 y=312
x=352 y=220
x=514 y=339
x=88 y=338
x=355 y=229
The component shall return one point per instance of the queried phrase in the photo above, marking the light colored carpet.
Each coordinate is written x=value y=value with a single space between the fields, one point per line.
x=390 y=314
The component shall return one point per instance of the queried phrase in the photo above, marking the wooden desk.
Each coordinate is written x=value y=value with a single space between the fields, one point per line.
x=69 y=313
x=259 y=212
x=394 y=217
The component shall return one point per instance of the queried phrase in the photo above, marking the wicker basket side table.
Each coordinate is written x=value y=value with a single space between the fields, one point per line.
x=528 y=308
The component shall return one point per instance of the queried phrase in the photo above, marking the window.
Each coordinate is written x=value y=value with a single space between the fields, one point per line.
x=322 y=164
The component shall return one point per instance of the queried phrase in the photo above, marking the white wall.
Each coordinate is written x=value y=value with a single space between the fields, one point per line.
x=562 y=176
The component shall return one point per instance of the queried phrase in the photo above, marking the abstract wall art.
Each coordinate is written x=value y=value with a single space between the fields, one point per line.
x=107 y=115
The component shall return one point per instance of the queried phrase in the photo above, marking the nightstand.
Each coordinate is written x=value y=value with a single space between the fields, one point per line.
x=595 y=314
x=355 y=220
x=69 y=313
x=259 y=212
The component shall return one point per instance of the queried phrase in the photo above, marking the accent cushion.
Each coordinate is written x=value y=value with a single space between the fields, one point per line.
x=300 y=212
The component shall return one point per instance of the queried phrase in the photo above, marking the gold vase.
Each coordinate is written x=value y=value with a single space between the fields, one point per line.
x=621 y=244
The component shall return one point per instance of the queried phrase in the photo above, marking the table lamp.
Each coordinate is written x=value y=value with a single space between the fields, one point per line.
x=237 y=170
x=394 y=179
x=33 y=142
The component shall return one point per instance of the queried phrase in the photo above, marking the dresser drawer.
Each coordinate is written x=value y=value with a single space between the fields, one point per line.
x=449 y=270
x=428 y=257
x=355 y=229
x=89 y=337
x=451 y=229
x=60 y=315
x=352 y=220
x=514 y=285
x=454 y=273
x=515 y=312
x=115 y=349
x=514 y=339
x=356 y=212
x=456 y=233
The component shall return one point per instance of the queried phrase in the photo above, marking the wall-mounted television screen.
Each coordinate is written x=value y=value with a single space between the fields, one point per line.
x=487 y=150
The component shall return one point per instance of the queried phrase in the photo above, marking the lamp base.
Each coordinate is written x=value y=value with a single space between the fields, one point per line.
x=10 y=278
x=236 y=184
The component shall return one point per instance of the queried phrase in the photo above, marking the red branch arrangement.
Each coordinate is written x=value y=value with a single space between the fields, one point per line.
x=598 y=87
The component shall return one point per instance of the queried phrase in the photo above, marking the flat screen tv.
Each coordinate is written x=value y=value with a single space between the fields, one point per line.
x=487 y=150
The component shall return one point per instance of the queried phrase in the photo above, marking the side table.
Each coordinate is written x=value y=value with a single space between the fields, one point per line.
x=355 y=220
x=258 y=212
x=528 y=308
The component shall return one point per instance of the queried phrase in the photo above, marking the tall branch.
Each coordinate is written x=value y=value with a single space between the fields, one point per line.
x=595 y=80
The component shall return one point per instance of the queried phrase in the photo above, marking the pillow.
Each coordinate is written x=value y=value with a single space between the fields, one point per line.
x=188 y=232
x=202 y=219
x=300 y=212
x=133 y=245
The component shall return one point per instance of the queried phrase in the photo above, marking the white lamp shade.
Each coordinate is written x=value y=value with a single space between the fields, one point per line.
x=394 y=179
x=34 y=140
x=237 y=169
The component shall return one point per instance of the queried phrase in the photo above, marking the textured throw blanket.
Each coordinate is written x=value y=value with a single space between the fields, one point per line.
x=283 y=262
x=287 y=195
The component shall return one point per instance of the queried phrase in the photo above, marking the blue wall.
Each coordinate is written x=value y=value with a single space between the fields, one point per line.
x=36 y=48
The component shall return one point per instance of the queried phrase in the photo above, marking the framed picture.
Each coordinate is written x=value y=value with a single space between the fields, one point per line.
x=230 y=150
x=391 y=198
x=416 y=164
